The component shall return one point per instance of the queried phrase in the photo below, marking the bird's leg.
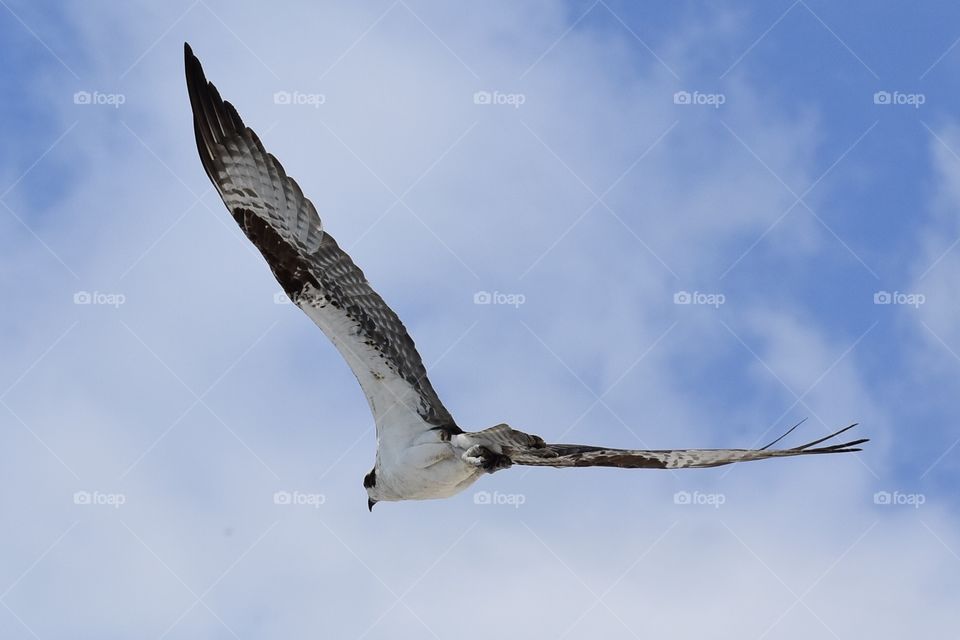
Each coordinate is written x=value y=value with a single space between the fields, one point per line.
x=490 y=461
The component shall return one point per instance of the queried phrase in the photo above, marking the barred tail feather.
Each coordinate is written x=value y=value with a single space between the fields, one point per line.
x=574 y=455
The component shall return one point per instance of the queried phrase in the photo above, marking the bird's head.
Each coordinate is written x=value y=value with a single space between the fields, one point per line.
x=370 y=484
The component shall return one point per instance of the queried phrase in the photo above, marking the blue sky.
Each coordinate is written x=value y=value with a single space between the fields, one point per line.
x=155 y=397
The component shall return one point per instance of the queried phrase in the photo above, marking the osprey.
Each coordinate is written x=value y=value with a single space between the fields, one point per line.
x=421 y=451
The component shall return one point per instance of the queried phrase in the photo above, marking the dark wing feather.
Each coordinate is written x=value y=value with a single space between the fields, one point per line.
x=307 y=262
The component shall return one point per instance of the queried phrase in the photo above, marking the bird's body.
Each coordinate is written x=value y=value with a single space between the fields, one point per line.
x=427 y=469
x=421 y=452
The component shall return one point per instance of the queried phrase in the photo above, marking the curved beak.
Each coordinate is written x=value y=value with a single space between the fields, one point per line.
x=370 y=503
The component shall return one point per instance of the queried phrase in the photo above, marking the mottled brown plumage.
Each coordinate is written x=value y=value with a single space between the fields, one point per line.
x=284 y=225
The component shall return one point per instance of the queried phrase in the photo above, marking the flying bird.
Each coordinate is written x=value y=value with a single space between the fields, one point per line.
x=421 y=451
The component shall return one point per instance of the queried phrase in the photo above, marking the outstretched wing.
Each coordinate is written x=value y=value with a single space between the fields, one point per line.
x=307 y=262
x=575 y=455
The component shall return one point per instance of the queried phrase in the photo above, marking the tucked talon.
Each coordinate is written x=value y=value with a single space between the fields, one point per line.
x=473 y=455
x=480 y=456
x=498 y=461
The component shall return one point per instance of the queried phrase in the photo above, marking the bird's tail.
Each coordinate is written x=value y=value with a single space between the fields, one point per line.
x=575 y=455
